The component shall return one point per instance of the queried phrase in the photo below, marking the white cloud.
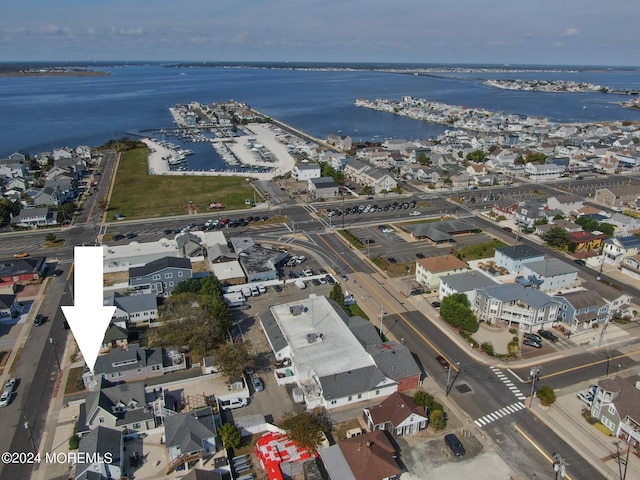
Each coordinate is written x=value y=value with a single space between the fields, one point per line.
x=571 y=32
x=53 y=30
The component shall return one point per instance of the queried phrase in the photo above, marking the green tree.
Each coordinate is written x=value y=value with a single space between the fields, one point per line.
x=336 y=294
x=477 y=156
x=438 y=419
x=535 y=157
x=487 y=347
x=455 y=310
x=423 y=159
x=447 y=181
x=556 y=237
x=230 y=435
x=305 y=428
x=423 y=399
x=368 y=190
x=233 y=358
x=607 y=229
x=546 y=395
x=8 y=208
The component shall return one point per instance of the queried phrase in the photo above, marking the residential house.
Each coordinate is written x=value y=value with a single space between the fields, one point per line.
x=327 y=361
x=618 y=300
x=129 y=365
x=115 y=337
x=505 y=207
x=100 y=455
x=190 y=245
x=141 y=308
x=323 y=187
x=515 y=304
x=8 y=305
x=551 y=274
x=259 y=263
x=616 y=404
x=616 y=248
x=33 y=218
x=429 y=271
x=342 y=142
x=631 y=266
x=304 y=171
x=49 y=196
x=395 y=361
x=529 y=212
x=365 y=175
x=370 y=456
x=466 y=283
x=398 y=414
x=568 y=204
x=22 y=269
x=617 y=196
x=190 y=436
x=582 y=309
x=514 y=257
x=584 y=241
x=160 y=276
x=122 y=407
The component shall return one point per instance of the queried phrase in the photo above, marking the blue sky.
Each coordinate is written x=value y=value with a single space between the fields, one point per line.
x=575 y=32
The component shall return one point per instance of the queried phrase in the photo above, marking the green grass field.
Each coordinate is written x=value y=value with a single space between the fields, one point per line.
x=136 y=194
x=482 y=250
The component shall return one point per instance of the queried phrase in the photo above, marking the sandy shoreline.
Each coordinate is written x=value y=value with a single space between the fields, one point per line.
x=263 y=134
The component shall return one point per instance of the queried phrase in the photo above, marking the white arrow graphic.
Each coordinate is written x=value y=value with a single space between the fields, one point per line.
x=88 y=318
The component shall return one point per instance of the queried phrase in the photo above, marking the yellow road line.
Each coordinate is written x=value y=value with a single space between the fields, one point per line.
x=70 y=272
x=597 y=362
x=364 y=280
x=537 y=447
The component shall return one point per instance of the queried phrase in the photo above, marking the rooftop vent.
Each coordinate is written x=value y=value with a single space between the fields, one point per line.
x=296 y=310
x=314 y=337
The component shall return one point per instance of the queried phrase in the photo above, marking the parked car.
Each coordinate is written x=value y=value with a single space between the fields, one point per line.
x=552 y=337
x=258 y=386
x=277 y=288
x=443 y=362
x=11 y=384
x=5 y=398
x=344 y=277
x=118 y=236
x=533 y=336
x=417 y=291
x=392 y=260
x=20 y=255
x=419 y=255
x=507 y=229
x=39 y=320
x=454 y=444
x=435 y=304
x=330 y=279
x=579 y=261
x=531 y=343
x=585 y=396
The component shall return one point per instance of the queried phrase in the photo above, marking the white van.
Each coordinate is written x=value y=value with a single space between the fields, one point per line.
x=254 y=291
x=300 y=284
x=262 y=289
x=246 y=291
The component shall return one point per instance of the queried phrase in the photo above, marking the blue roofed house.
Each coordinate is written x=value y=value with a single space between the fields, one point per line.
x=160 y=276
x=514 y=257
x=513 y=303
x=465 y=282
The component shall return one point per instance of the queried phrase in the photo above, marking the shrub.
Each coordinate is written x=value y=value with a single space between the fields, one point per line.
x=74 y=441
x=438 y=419
x=487 y=347
x=603 y=429
x=546 y=395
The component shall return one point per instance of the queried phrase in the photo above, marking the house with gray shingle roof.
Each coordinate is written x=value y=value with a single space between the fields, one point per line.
x=552 y=274
x=512 y=304
x=96 y=446
x=513 y=257
x=33 y=217
x=160 y=276
x=616 y=404
x=465 y=282
x=129 y=365
x=191 y=433
x=121 y=406
x=139 y=308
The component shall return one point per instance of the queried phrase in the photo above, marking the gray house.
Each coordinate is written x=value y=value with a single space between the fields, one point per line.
x=125 y=366
x=122 y=407
x=190 y=436
x=616 y=404
x=94 y=448
x=133 y=308
x=550 y=274
x=160 y=276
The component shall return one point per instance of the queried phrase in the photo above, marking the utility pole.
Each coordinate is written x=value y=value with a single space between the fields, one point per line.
x=609 y=357
x=534 y=375
x=28 y=428
x=450 y=386
x=55 y=352
x=559 y=466
x=381 y=314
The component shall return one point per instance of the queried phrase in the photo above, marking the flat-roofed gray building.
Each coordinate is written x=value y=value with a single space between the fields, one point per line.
x=552 y=274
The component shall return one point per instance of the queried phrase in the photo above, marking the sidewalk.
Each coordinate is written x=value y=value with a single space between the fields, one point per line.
x=564 y=417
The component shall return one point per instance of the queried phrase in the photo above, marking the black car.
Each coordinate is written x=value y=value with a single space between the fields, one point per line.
x=277 y=288
x=330 y=279
x=454 y=444
x=392 y=260
x=580 y=262
x=39 y=320
x=131 y=235
x=417 y=291
x=65 y=325
x=118 y=236
x=419 y=255
x=435 y=304
x=552 y=337
x=168 y=231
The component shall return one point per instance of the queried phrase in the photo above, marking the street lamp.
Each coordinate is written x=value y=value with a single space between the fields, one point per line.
x=55 y=352
x=28 y=429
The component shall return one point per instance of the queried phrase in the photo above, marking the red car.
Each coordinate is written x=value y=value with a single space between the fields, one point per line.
x=442 y=361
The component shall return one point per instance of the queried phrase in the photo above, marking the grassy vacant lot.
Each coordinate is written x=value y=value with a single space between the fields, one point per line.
x=136 y=194
x=482 y=250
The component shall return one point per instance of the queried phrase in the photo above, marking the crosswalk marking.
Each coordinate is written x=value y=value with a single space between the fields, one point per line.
x=503 y=412
x=504 y=379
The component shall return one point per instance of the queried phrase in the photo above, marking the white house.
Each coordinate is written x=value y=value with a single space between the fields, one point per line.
x=304 y=171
